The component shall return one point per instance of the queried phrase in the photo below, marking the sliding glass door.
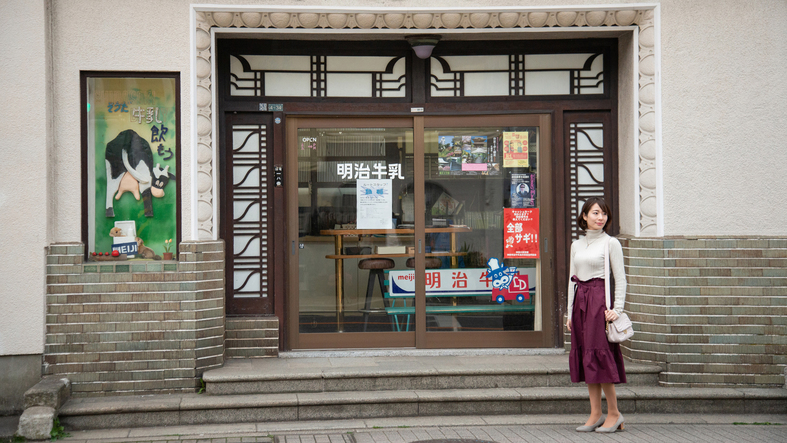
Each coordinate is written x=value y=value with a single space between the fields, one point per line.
x=427 y=232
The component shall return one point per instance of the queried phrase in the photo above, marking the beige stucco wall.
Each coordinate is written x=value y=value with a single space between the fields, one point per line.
x=24 y=175
x=720 y=93
x=722 y=100
x=724 y=97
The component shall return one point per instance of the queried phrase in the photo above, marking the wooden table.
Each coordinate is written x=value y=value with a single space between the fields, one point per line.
x=339 y=256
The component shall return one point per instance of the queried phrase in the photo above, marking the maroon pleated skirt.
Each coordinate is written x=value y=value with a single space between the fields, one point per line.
x=593 y=359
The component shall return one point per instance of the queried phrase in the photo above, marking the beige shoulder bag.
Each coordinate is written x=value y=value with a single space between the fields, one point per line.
x=621 y=329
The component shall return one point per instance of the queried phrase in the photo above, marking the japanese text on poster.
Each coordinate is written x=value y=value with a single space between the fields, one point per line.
x=521 y=230
x=515 y=149
x=374 y=204
x=132 y=161
x=523 y=190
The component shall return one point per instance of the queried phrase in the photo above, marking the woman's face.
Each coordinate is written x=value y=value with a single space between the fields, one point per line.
x=596 y=218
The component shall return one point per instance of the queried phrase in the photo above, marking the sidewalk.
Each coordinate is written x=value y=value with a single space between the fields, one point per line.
x=469 y=429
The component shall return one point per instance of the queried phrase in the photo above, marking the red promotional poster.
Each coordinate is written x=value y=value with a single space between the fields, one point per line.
x=521 y=233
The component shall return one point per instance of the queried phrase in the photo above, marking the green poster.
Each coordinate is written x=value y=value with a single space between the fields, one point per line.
x=132 y=157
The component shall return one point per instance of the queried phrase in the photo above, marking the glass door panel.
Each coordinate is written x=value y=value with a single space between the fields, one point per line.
x=484 y=182
x=354 y=227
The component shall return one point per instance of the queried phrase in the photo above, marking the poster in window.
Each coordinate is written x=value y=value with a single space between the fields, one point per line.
x=449 y=154
x=523 y=190
x=132 y=147
x=374 y=204
x=520 y=233
x=474 y=153
x=515 y=149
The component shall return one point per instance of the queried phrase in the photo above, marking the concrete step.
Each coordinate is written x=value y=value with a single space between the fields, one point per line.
x=705 y=379
x=191 y=409
x=292 y=375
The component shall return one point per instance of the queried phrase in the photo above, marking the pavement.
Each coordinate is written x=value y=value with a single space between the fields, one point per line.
x=460 y=429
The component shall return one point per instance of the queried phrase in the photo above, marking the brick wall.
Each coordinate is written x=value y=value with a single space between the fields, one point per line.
x=134 y=326
x=710 y=311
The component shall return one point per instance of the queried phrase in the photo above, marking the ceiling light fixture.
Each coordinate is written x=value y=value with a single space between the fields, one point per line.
x=423 y=44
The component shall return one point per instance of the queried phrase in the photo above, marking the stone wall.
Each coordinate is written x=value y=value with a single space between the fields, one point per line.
x=710 y=311
x=132 y=327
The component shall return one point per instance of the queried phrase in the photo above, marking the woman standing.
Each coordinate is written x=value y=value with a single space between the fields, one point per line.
x=593 y=359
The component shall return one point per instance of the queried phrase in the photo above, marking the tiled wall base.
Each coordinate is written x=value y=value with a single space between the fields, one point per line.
x=252 y=337
x=711 y=311
x=134 y=327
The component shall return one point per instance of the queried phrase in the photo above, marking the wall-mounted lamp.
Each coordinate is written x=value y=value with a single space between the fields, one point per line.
x=423 y=44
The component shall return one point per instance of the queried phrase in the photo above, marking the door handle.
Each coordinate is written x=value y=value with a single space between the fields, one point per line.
x=419 y=246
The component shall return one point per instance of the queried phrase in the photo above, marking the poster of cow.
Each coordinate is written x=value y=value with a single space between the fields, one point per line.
x=132 y=134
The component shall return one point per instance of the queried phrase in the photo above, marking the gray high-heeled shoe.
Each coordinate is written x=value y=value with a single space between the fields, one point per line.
x=618 y=425
x=592 y=427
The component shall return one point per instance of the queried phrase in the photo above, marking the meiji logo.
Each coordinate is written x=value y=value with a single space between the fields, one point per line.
x=408 y=277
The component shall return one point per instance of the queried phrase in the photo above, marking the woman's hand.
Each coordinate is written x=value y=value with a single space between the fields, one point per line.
x=568 y=324
x=610 y=315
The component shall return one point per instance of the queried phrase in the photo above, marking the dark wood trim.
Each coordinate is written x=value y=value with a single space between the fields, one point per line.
x=355 y=340
x=558 y=110
x=419 y=201
x=559 y=183
x=292 y=337
x=610 y=191
x=504 y=339
x=226 y=47
x=280 y=251
x=244 y=306
x=83 y=78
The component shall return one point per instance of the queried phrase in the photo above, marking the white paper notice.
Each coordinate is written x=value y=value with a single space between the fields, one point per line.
x=374 y=204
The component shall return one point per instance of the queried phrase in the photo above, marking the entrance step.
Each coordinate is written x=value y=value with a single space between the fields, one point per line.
x=323 y=386
x=348 y=374
x=192 y=409
x=251 y=337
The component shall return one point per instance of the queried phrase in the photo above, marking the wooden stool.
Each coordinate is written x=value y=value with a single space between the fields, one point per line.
x=431 y=263
x=376 y=266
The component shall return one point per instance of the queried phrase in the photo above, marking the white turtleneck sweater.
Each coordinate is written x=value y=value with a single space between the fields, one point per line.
x=587 y=261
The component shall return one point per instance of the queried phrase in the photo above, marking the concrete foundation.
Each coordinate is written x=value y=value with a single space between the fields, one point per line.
x=20 y=373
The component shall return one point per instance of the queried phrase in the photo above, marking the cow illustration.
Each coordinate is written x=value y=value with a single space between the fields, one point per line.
x=129 y=162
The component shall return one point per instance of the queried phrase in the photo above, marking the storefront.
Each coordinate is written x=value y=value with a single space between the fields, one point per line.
x=330 y=148
x=266 y=121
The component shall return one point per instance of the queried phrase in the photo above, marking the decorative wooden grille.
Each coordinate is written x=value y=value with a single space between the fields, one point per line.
x=526 y=74
x=250 y=251
x=318 y=76
x=586 y=167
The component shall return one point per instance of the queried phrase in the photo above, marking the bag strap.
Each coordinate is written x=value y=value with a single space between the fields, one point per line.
x=606 y=272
